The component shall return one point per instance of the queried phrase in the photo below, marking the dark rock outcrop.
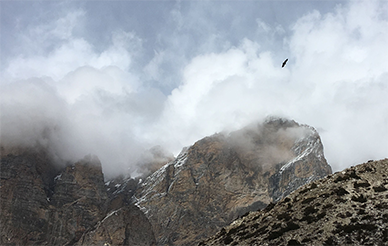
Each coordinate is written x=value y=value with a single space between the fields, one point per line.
x=346 y=208
x=26 y=181
x=224 y=176
x=45 y=205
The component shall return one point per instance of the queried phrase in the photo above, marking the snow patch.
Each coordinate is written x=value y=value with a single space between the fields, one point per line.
x=154 y=179
x=181 y=159
x=313 y=143
x=58 y=177
x=110 y=214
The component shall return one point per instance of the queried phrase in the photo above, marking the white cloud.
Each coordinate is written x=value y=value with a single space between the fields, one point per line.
x=262 y=26
x=83 y=100
x=224 y=90
x=339 y=59
x=54 y=51
x=79 y=100
x=335 y=80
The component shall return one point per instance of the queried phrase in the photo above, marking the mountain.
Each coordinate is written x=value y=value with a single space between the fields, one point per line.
x=223 y=176
x=42 y=204
x=181 y=201
x=346 y=208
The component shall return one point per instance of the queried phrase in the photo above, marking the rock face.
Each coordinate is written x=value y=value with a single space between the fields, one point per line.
x=346 y=208
x=25 y=187
x=223 y=176
x=124 y=226
x=79 y=201
x=45 y=205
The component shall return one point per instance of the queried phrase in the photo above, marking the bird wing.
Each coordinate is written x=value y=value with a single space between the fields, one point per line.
x=284 y=63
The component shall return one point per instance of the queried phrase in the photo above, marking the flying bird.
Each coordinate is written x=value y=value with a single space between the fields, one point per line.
x=284 y=63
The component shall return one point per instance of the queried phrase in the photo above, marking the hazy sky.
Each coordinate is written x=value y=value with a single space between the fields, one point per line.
x=114 y=78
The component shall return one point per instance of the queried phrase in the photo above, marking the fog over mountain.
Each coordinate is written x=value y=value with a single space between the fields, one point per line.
x=117 y=78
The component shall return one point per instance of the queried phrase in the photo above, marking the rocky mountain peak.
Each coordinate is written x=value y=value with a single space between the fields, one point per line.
x=181 y=202
x=223 y=176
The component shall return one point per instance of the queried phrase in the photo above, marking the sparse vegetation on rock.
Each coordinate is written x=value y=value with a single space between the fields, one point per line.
x=345 y=208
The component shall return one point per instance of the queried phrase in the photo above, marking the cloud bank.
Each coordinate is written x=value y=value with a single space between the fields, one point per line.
x=65 y=92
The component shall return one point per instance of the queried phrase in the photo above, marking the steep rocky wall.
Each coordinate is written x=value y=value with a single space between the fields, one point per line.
x=44 y=205
x=24 y=191
x=78 y=202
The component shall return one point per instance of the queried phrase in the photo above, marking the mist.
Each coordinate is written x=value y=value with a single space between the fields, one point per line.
x=119 y=88
x=268 y=143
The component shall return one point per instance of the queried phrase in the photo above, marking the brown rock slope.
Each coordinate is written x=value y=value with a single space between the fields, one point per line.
x=223 y=176
x=45 y=205
x=346 y=208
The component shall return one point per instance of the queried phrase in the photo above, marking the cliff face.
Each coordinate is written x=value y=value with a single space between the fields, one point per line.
x=45 y=205
x=24 y=190
x=346 y=208
x=223 y=176
x=78 y=201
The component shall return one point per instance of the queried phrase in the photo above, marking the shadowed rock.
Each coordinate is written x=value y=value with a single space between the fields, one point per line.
x=45 y=205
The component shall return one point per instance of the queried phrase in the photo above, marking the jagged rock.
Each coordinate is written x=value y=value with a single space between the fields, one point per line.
x=44 y=205
x=84 y=179
x=123 y=188
x=346 y=208
x=223 y=176
x=124 y=226
x=78 y=201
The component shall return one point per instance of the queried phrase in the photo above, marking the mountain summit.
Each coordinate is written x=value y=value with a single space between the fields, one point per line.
x=223 y=176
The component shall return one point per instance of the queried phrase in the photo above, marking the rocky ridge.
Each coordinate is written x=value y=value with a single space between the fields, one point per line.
x=205 y=188
x=223 y=176
x=345 y=208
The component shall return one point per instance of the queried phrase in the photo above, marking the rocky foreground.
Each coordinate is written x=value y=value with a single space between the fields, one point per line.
x=345 y=208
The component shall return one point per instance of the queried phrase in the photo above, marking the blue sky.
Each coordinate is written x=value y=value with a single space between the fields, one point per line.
x=115 y=78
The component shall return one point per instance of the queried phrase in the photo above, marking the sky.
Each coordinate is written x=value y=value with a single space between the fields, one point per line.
x=116 y=78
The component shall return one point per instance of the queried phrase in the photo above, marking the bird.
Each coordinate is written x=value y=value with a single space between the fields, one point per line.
x=284 y=63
